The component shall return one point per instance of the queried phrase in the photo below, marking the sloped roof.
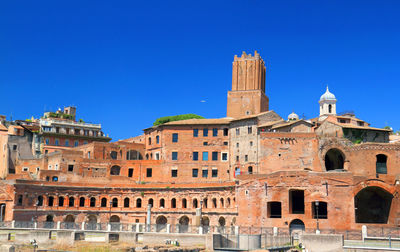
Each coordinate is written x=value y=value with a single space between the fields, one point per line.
x=280 y=125
x=3 y=128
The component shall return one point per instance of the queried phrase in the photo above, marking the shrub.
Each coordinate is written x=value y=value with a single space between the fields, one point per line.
x=166 y=119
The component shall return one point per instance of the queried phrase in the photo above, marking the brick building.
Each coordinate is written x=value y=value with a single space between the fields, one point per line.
x=251 y=168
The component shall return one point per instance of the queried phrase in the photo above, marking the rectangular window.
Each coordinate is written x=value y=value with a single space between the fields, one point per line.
x=274 y=209
x=157 y=139
x=215 y=132
x=205 y=156
x=205 y=143
x=249 y=130
x=130 y=172
x=224 y=156
x=47 y=141
x=76 y=143
x=175 y=137
x=174 y=173
x=66 y=142
x=237 y=158
x=246 y=158
x=204 y=173
x=195 y=156
x=225 y=143
x=319 y=208
x=149 y=172
x=214 y=173
x=237 y=132
x=205 y=132
x=195 y=173
x=57 y=142
x=70 y=168
x=195 y=132
x=226 y=131
x=215 y=156
x=296 y=201
x=174 y=155
x=157 y=156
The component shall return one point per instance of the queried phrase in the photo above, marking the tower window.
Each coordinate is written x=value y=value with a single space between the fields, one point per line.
x=149 y=172
x=249 y=130
x=226 y=130
x=174 y=173
x=330 y=108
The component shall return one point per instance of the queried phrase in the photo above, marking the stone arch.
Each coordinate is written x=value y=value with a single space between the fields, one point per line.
x=221 y=202
x=334 y=159
x=372 y=205
x=49 y=223
x=69 y=218
x=115 y=170
x=39 y=200
x=228 y=202
x=161 y=223
x=205 y=223
x=91 y=222
x=214 y=203
x=296 y=225
x=183 y=224
x=49 y=218
x=221 y=221
x=115 y=219
x=151 y=202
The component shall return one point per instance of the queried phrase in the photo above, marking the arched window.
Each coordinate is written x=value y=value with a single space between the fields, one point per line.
x=162 y=203
x=214 y=201
x=149 y=140
x=221 y=202
x=157 y=139
x=372 y=205
x=81 y=201
x=173 y=203
x=139 y=203
x=381 y=161
x=205 y=203
x=126 y=202
x=60 y=201
x=92 y=202
x=51 y=201
x=113 y=154
x=103 y=202
x=228 y=202
x=184 y=203
x=195 y=203
x=114 y=202
x=334 y=160
x=330 y=108
x=133 y=155
x=250 y=169
x=151 y=202
x=71 y=201
x=39 y=201
x=55 y=178
x=115 y=170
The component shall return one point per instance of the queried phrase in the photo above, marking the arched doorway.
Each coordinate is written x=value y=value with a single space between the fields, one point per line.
x=205 y=223
x=184 y=224
x=69 y=222
x=114 y=222
x=91 y=222
x=161 y=224
x=334 y=160
x=2 y=212
x=221 y=223
x=296 y=227
x=49 y=221
x=372 y=205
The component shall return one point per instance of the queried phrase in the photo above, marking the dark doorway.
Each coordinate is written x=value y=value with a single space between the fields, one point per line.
x=372 y=205
x=321 y=210
x=296 y=201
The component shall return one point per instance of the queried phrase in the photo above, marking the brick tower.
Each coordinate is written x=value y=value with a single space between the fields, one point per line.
x=248 y=86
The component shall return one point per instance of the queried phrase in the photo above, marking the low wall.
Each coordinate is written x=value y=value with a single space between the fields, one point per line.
x=246 y=242
x=183 y=239
x=65 y=237
x=322 y=242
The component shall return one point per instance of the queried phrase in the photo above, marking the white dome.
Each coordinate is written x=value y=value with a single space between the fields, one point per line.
x=293 y=116
x=328 y=96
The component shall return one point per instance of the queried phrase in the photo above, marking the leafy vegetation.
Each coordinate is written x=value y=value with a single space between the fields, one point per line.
x=60 y=115
x=166 y=119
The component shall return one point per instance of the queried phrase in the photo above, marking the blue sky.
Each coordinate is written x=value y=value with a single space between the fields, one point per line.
x=126 y=63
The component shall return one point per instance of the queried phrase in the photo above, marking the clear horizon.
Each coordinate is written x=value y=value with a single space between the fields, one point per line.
x=125 y=64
